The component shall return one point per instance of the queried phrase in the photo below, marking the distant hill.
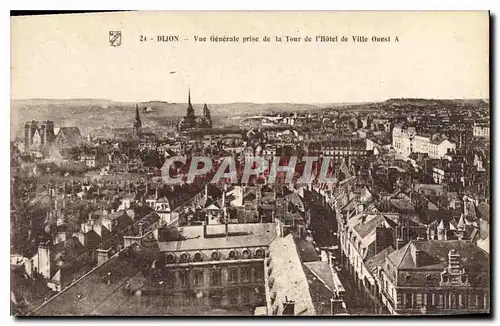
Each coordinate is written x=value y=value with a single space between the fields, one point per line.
x=427 y=102
x=91 y=114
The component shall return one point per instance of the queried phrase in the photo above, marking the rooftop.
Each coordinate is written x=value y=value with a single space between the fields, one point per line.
x=240 y=235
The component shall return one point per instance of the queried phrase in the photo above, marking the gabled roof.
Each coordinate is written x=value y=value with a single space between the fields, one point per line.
x=69 y=134
x=434 y=255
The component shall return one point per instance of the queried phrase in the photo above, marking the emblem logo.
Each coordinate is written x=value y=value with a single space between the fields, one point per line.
x=115 y=38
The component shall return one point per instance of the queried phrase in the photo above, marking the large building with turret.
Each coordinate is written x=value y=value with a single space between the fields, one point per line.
x=37 y=134
x=191 y=121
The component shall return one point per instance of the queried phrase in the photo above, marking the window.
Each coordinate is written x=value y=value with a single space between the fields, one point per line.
x=215 y=255
x=259 y=253
x=170 y=279
x=184 y=257
x=184 y=278
x=233 y=296
x=215 y=277
x=245 y=274
x=259 y=273
x=215 y=297
x=198 y=257
x=198 y=278
x=170 y=259
x=245 y=295
x=246 y=254
x=409 y=300
x=232 y=254
x=232 y=275
x=479 y=301
x=428 y=299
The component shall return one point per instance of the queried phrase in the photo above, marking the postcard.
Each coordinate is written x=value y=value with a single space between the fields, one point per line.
x=298 y=163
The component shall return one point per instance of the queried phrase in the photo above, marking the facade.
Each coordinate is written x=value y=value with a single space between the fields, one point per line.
x=435 y=277
x=215 y=265
x=38 y=134
x=481 y=130
x=406 y=141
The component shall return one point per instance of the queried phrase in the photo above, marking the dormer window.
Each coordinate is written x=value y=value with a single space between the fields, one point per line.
x=184 y=258
x=171 y=259
x=232 y=254
x=259 y=253
x=215 y=255
x=246 y=253
x=198 y=257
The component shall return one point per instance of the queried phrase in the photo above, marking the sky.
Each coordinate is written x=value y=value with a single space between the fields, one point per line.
x=439 y=55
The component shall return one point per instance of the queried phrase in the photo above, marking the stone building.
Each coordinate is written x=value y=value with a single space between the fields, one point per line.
x=190 y=121
x=214 y=265
x=435 y=277
x=38 y=134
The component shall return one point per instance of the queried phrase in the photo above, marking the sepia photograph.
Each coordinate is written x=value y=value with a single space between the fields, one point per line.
x=250 y=163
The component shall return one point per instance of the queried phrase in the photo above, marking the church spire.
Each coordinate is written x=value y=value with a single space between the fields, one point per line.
x=137 y=112
x=190 y=111
x=137 y=122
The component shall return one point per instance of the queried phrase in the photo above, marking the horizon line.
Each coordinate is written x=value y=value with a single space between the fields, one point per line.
x=251 y=102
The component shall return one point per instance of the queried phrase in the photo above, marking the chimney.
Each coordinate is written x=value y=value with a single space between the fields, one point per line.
x=44 y=259
x=204 y=229
x=140 y=225
x=417 y=258
x=102 y=256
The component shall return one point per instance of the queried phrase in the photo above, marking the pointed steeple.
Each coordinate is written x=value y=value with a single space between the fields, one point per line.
x=137 y=121
x=190 y=111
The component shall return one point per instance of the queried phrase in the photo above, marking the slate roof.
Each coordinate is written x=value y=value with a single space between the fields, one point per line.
x=290 y=281
x=433 y=259
x=69 y=134
x=191 y=237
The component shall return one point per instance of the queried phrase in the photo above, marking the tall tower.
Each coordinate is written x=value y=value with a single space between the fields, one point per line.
x=137 y=121
x=206 y=115
x=190 y=110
